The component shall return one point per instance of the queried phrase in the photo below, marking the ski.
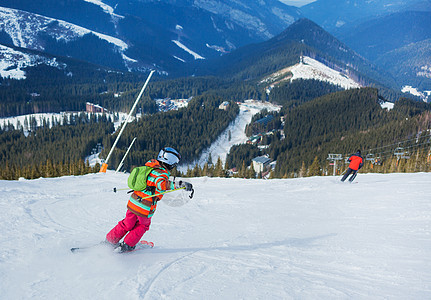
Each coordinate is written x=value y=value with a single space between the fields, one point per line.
x=146 y=244
x=140 y=246
x=85 y=248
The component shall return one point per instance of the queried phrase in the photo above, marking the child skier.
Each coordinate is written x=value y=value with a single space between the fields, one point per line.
x=356 y=162
x=139 y=208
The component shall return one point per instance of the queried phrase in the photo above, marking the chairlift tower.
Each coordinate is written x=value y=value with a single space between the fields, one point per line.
x=334 y=158
x=399 y=152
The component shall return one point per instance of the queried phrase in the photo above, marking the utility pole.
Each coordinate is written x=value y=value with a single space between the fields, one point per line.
x=334 y=157
x=104 y=166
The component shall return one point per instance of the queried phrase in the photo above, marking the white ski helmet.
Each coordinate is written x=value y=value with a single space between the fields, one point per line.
x=169 y=156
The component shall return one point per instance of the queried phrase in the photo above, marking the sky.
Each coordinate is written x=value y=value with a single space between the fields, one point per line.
x=297 y=3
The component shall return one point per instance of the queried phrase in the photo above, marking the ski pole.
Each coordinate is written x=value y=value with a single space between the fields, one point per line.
x=162 y=193
x=115 y=189
x=344 y=171
x=353 y=177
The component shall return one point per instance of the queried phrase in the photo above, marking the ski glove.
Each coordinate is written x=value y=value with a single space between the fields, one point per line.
x=187 y=185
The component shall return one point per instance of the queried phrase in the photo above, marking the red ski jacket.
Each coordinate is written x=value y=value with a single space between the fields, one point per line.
x=356 y=162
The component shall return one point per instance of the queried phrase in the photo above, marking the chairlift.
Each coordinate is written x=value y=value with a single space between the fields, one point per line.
x=378 y=161
x=406 y=155
x=370 y=157
x=399 y=151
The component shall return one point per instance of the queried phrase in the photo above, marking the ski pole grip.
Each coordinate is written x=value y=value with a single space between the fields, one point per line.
x=191 y=195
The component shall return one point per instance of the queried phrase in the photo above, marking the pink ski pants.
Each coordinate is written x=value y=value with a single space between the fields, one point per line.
x=136 y=226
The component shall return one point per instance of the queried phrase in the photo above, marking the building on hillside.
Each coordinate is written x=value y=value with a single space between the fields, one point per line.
x=232 y=172
x=254 y=140
x=224 y=105
x=261 y=163
x=265 y=120
x=94 y=108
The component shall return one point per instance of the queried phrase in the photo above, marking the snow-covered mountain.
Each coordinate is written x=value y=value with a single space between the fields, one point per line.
x=394 y=35
x=24 y=29
x=309 y=68
x=305 y=238
x=138 y=35
x=36 y=32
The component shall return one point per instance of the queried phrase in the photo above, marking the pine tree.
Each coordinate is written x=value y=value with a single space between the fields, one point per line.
x=251 y=173
x=218 y=171
x=302 y=171
x=242 y=172
x=196 y=172
x=205 y=171
x=314 y=169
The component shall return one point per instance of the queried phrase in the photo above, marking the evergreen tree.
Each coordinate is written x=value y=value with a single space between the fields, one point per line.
x=218 y=171
x=314 y=169
x=303 y=170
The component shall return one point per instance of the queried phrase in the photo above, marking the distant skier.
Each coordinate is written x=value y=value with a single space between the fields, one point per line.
x=356 y=162
x=139 y=208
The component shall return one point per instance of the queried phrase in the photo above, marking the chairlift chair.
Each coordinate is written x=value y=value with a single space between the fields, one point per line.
x=406 y=155
x=399 y=152
x=370 y=157
x=378 y=161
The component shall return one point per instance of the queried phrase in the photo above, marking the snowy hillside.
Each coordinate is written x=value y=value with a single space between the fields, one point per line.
x=236 y=131
x=308 y=238
x=106 y=8
x=56 y=118
x=309 y=68
x=12 y=62
x=23 y=28
x=26 y=30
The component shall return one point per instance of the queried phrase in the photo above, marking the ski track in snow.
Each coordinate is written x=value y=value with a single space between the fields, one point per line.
x=306 y=238
x=221 y=146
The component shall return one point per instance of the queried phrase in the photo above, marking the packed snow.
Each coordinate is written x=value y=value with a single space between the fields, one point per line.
x=305 y=238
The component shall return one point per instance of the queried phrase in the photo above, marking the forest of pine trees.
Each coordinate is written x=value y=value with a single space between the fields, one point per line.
x=62 y=149
x=318 y=120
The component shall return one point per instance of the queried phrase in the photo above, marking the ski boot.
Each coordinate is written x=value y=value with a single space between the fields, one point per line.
x=123 y=247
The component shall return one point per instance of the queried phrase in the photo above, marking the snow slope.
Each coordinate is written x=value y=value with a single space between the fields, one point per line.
x=309 y=68
x=185 y=48
x=221 y=146
x=308 y=238
x=57 y=117
x=24 y=28
x=415 y=92
x=106 y=8
x=13 y=62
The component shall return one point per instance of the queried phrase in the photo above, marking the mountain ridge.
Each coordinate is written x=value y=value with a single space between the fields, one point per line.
x=149 y=28
x=302 y=38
